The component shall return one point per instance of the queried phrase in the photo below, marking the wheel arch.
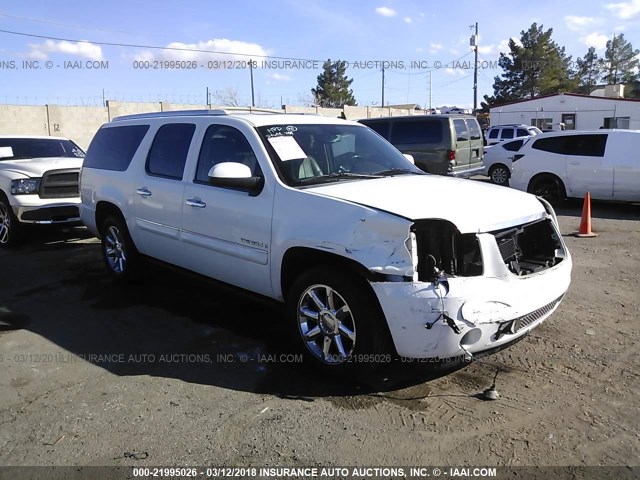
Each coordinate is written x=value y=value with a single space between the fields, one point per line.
x=104 y=209
x=551 y=176
x=296 y=260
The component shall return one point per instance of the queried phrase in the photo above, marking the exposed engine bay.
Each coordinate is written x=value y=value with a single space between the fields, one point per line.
x=525 y=249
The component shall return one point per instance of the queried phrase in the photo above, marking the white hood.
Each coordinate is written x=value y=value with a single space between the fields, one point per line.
x=35 y=167
x=471 y=206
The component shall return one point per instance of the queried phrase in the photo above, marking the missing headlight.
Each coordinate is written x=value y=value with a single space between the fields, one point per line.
x=454 y=253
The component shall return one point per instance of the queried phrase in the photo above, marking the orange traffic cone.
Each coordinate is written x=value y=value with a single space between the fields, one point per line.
x=585 y=222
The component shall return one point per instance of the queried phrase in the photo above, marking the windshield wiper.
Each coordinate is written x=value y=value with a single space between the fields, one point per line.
x=397 y=171
x=338 y=176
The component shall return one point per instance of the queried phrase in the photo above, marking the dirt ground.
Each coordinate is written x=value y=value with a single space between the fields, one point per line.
x=177 y=371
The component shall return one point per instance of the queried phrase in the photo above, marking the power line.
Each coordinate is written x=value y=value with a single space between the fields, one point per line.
x=153 y=47
x=59 y=24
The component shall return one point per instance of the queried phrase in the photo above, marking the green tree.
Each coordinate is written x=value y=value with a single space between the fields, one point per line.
x=333 y=86
x=589 y=70
x=534 y=66
x=620 y=61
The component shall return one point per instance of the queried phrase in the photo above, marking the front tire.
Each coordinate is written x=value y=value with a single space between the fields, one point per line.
x=548 y=187
x=119 y=252
x=337 y=320
x=10 y=228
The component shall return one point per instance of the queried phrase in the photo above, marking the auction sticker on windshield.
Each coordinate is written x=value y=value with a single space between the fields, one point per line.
x=287 y=148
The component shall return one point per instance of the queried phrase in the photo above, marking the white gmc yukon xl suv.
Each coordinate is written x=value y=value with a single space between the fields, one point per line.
x=38 y=184
x=370 y=255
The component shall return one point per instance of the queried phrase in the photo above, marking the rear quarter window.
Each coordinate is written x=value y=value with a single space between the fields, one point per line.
x=381 y=128
x=462 y=134
x=474 y=129
x=113 y=148
x=416 y=132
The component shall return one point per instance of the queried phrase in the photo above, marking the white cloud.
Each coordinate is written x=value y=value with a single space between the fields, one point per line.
x=386 y=11
x=435 y=47
x=225 y=50
x=408 y=20
x=454 y=51
x=575 y=22
x=279 y=77
x=595 y=39
x=625 y=10
x=503 y=46
x=456 y=72
x=486 y=49
x=41 y=51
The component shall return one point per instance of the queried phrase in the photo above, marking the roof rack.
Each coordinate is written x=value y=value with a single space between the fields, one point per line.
x=193 y=113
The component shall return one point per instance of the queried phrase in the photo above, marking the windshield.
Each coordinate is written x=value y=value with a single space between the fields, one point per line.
x=311 y=154
x=21 y=148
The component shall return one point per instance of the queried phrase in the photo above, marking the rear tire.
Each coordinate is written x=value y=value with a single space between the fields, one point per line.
x=499 y=174
x=337 y=321
x=10 y=227
x=118 y=251
x=548 y=187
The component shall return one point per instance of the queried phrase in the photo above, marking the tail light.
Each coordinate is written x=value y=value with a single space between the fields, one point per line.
x=452 y=155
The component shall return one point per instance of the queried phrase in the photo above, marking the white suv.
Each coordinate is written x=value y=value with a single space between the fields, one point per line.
x=563 y=164
x=371 y=256
x=502 y=133
x=38 y=183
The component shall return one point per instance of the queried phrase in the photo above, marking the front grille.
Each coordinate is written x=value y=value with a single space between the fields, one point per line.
x=60 y=184
x=529 y=318
x=513 y=326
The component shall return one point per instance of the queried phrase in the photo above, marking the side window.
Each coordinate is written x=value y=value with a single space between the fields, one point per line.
x=113 y=148
x=494 y=133
x=168 y=153
x=462 y=135
x=416 y=132
x=586 y=145
x=507 y=133
x=521 y=132
x=474 y=130
x=551 y=144
x=381 y=128
x=224 y=144
x=513 y=146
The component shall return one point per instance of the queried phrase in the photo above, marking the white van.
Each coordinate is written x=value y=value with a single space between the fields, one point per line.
x=557 y=165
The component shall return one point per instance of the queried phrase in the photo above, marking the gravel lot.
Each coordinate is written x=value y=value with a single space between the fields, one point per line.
x=177 y=371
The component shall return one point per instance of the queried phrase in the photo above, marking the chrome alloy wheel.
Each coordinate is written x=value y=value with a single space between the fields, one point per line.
x=5 y=223
x=499 y=175
x=326 y=324
x=115 y=249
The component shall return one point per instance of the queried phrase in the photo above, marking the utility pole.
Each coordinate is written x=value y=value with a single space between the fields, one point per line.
x=208 y=103
x=383 y=84
x=430 y=91
x=253 y=100
x=474 y=43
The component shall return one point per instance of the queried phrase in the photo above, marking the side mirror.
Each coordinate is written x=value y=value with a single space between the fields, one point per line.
x=409 y=157
x=236 y=176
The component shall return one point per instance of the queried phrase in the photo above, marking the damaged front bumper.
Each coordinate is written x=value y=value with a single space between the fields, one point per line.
x=458 y=315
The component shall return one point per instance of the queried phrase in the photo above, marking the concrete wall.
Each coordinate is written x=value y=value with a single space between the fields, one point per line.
x=81 y=123
x=23 y=120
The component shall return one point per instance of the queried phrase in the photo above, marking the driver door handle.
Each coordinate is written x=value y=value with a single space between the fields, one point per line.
x=144 y=191
x=194 y=202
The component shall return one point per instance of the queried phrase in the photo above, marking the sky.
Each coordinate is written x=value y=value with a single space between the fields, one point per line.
x=79 y=52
